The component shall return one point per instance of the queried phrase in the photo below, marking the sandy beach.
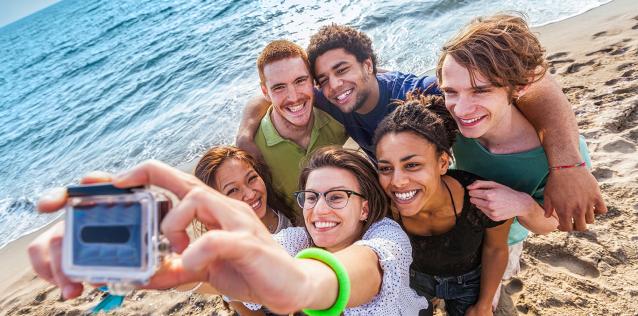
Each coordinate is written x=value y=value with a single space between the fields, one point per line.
x=595 y=57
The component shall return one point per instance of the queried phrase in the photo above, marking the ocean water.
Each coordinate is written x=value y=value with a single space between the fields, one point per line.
x=102 y=85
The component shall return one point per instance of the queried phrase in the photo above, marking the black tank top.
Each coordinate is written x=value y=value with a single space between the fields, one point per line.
x=457 y=251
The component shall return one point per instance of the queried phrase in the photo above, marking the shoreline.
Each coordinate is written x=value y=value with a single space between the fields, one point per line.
x=593 y=55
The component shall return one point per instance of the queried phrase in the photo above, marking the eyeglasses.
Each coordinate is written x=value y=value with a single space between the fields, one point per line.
x=334 y=198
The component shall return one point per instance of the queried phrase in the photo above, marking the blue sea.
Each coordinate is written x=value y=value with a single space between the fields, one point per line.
x=102 y=85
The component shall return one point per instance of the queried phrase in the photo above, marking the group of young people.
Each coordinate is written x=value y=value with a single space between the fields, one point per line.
x=456 y=169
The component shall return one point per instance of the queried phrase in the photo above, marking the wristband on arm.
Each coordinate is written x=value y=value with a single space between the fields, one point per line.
x=580 y=164
x=342 y=278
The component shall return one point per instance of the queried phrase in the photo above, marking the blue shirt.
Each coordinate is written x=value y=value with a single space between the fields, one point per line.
x=392 y=86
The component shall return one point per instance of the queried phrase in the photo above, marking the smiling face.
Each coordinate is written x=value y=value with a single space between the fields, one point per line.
x=238 y=180
x=334 y=229
x=288 y=86
x=478 y=110
x=410 y=171
x=345 y=82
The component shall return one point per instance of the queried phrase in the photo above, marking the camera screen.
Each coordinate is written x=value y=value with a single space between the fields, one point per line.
x=108 y=234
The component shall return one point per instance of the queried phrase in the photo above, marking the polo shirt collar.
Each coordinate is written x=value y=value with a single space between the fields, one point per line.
x=272 y=136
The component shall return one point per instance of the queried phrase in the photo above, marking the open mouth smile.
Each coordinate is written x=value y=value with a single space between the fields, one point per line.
x=405 y=196
x=343 y=97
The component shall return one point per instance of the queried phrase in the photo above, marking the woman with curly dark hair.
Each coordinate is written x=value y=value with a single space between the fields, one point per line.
x=459 y=253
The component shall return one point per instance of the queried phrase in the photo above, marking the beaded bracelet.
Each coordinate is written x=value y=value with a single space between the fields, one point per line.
x=342 y=278
x=580 y=164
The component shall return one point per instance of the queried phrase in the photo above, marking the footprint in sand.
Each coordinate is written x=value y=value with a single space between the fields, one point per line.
x=621 y=146
x=515 y=285
x=572 y=264
x=602 y=174
x=624 y=66
x=576 y=67
x=599 y=34
x=557 y=55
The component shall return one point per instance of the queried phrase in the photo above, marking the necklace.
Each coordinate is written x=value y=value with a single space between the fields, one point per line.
x=273 y=226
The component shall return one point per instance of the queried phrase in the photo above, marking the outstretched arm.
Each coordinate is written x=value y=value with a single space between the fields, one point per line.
x=251 y=117
x=573 y=193
x=238 y=257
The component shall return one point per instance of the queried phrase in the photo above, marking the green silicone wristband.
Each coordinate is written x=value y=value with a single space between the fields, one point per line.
x=342 y=278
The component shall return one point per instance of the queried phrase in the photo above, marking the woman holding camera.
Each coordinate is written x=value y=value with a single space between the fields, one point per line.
x=239 y=257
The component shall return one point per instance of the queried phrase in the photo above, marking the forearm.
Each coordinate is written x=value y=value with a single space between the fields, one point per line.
x=362 y=266
x=493 y=263
x=536 y=222
x=252 y=114
x=551 y=114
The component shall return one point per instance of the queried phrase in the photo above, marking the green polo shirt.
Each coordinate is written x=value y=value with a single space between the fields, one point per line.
x=284 y=157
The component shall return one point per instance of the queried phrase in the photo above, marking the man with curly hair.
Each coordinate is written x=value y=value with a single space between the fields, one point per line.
x=352 y=90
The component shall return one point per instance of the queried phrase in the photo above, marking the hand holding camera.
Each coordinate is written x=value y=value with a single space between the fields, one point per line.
x=237 y=256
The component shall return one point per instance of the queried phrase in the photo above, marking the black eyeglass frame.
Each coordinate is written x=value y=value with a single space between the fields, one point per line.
x=296 y=194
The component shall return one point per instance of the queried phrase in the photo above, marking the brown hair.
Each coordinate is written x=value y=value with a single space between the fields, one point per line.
x=424 y=115
x=279 y=50
x=502 y=48
x=335 y=36
x=363 y=171
x=208 y=165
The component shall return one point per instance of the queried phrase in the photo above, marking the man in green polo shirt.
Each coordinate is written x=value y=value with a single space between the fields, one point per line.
x=292 y=128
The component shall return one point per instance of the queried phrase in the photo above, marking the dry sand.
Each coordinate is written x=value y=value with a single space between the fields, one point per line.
x=595 y=57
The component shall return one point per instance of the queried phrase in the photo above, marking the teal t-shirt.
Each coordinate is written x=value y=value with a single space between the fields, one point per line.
x=525 y=171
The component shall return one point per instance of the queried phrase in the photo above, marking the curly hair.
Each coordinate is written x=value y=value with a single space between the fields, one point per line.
x=501 y=48
x=358 y=166
x=424 y=115
x=335 y=36
x=279 y=50
x=208 y=166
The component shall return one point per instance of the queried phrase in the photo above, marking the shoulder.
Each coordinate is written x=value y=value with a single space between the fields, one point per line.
x=400 y=83
x=464 y=177
x=387 y=239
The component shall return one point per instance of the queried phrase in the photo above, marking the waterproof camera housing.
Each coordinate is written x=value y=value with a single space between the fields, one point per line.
x=112 y=235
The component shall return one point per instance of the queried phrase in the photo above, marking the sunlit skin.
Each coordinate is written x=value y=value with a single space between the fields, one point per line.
x=485 y=111
x=348 y=221
x=238 y=180
x=289 y=87
x=411 y=173
x=347 y=83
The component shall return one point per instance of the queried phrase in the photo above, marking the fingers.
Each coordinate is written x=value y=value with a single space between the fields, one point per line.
x=211 y=208
x=172 y=273
x=580 y=223
x=565 y=221
x=477 y=193
x=547 y=206
x=96 y=177
x=52 y=200
x=39 y=255
x=159 y=174
x=216 y=245
x=599 y=206
x=589 y=215
x=480 y=184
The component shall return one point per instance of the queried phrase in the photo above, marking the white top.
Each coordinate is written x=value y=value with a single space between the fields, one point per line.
x=392 y=246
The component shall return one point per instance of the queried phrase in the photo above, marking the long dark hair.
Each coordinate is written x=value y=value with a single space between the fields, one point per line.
x=209 y=164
